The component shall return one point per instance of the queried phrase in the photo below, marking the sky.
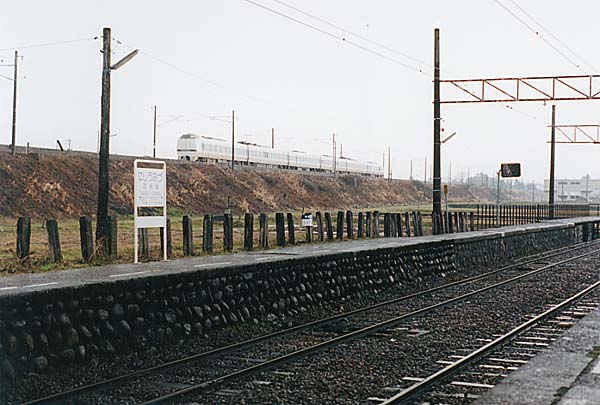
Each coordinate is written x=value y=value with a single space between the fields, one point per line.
x=200 y=59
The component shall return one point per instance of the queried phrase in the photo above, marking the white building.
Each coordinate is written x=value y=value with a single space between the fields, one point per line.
x=571 y=190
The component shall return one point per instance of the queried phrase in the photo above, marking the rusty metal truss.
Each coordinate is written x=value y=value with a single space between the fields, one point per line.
x=582 y=133
x=541 y=88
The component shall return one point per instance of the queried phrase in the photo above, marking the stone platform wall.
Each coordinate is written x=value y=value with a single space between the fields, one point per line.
x=75 y=324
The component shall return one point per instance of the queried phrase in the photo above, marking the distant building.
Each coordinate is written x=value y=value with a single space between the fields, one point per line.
x=571 y=190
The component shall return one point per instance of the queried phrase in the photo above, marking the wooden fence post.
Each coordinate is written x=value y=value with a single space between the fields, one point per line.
x=169 y=240
x=53 y=241
x=329 y=226
x=369 y=224
x=111 y=243
x=87 y=238
x=339 y=224
x=387 y=225
x=144 y=242
x=248 y=231
x=398 y=221
x=349 y=225
x=407 y=223
x=207 y=234
x=361 y=225
x=23 y=237
x=263 y=222
x=320 y=233
x=376 y=224
x=419 y=227
x=188 y=237
x=280 y=228
x=291 y=230
x=227 y=232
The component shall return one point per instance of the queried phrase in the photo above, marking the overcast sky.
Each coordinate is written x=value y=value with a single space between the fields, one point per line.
x=201 y=59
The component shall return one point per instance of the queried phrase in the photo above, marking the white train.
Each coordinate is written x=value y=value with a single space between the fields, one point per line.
x=203 y=148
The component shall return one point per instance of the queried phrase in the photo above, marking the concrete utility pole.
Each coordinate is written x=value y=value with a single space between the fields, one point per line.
x=552 y=153
x=101 y=216
x=154 y=141
x=13 y=146
x=437 y=182
x=272 y=138
x=411 y=176
x=232 y=139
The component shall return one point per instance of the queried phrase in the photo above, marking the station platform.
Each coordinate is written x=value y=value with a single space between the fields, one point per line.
x=567 y=373
x=41 y=282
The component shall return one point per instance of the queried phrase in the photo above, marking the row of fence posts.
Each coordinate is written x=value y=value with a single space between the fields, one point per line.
x=452 y=222
x=488 y=216
x=367 y=226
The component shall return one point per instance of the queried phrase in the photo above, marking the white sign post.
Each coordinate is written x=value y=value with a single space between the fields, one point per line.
x=150 y=190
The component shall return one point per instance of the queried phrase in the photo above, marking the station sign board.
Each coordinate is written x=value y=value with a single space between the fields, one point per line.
x=149 y=191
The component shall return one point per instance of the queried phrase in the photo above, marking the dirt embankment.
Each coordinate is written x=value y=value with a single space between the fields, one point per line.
x=46 y=186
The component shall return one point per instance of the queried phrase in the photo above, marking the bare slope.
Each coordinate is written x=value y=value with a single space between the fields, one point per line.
x=45 y=186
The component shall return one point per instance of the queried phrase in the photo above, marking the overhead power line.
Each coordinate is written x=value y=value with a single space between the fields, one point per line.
x=535 y=32
x=564 y=45
x=387 y=48
x=192 y=74
x=332 y=35
x=45 y=44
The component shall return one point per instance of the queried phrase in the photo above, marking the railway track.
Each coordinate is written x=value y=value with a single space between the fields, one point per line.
x=526 y=339
x=318 y=335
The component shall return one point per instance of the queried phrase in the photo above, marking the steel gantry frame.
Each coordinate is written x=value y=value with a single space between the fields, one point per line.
x=574 y=133
x=535 y=88
x=507 y=90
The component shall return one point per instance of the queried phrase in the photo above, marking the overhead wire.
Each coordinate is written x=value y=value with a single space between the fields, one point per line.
x=192 y=74
x=535 y=32
x=564 y=45
x=332 y=35
x=347 y=31
x=45 y=44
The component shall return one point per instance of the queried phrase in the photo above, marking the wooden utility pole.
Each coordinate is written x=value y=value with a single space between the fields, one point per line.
x=272 y=138
x=102 y=214
x=333 y=154
x=154 y=142
x=437 y=182
x=552 y=156
x=13 y=146
x=232 y=139
x=389 y=164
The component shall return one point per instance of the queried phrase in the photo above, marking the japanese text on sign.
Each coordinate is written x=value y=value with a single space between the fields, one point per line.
x=150 y=187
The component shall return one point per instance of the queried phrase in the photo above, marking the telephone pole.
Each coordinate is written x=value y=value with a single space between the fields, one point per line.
x=102 y=214
x=14 y=112
x=389 y=164
x=154 y=142
x=272 y=138
x=552 y=155
x=104 y=153
x=437 y=183
x=232 y=139
x=333 y=154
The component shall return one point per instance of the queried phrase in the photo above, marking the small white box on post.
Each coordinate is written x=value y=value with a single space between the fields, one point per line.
x=150 y=191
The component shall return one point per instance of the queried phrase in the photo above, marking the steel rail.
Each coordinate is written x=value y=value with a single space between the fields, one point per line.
x=422 y=386
x=118 y=380
x=281 y=360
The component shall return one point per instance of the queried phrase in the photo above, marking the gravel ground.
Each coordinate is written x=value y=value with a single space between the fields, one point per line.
x=34 y=385
x=379 y=362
